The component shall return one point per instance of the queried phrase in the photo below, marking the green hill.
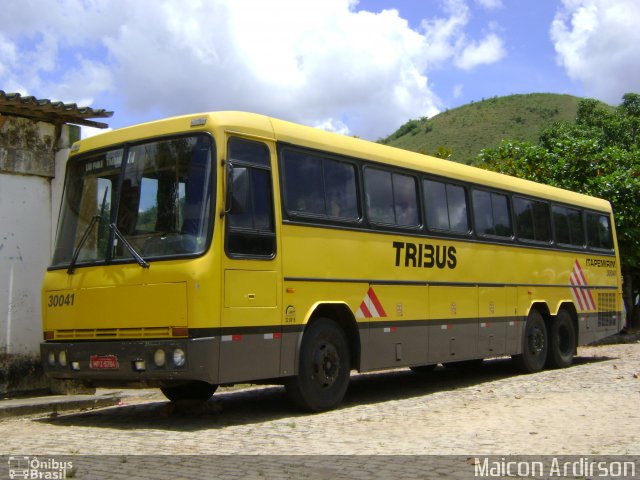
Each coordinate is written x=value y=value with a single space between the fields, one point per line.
x=464 y=131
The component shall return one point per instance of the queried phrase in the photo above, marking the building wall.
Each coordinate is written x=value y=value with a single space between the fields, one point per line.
x=25 y=230
x=32 y=164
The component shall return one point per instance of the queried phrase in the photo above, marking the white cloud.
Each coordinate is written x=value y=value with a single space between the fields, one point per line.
x=86 y=132
x=596 y=42
x=312 y=62
x=445 y=36
x=490 y=4
x=80 y=84
x=333 y=125
x=8 y=62
x=447 y=39
x=489 y=50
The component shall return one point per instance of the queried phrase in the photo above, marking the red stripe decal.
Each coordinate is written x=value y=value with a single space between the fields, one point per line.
x=376 y=302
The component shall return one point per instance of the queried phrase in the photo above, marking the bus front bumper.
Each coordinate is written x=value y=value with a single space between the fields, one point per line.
x=132 y=361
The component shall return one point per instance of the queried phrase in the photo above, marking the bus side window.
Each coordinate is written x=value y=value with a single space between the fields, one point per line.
x=599 y=234
x=392 y=198
x=567 y=223
x=532 y=220
x=250 y=226
x=319 y=187
x=445 y=207
x=491 y=213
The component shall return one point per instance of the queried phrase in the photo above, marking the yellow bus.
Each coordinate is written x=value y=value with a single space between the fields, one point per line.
x=232 y=247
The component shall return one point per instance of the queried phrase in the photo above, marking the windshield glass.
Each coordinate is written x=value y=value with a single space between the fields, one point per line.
x=159 y=200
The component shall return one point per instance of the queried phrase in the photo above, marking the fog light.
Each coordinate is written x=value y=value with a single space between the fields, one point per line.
x=179 y=357
x=140 y=365
x=75 y=365
x=159 y=358
x=62 y=358
x=51 y=358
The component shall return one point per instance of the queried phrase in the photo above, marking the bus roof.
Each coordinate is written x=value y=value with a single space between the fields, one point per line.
x=292 y=133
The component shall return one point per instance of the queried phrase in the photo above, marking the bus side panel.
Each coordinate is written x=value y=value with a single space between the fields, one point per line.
x=398 y=337
x=453 y=328
x=251 y=328
x=514 y=323
x=493 y=308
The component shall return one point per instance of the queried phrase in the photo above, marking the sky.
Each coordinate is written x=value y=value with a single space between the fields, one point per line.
x=354 y=67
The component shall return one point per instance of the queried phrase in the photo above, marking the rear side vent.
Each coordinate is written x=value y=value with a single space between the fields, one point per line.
x=606 y=309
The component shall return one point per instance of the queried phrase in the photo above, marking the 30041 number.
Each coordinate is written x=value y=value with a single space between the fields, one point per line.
x=61 y=300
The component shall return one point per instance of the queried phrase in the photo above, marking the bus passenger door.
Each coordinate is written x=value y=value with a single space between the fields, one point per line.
x=251 y=325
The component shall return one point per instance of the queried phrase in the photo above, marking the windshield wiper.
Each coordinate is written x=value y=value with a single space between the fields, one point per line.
x=76 y=253
x=87 y=232
x=141 y=261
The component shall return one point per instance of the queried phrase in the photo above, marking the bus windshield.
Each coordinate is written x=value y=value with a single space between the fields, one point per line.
x=159 y=200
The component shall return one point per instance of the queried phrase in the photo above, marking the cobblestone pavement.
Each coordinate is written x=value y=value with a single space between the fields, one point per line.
x=591 y=408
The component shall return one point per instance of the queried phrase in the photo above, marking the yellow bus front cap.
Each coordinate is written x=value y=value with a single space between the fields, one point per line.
x=132 y=311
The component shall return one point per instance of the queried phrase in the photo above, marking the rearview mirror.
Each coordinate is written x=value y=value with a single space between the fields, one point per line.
x=238 y=192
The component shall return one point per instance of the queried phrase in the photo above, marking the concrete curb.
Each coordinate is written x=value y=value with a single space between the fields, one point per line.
x=56 y=403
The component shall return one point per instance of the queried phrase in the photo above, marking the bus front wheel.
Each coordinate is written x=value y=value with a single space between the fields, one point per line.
x=535 y=344
x=195 y=390
x=562 y=341
x=323 y=371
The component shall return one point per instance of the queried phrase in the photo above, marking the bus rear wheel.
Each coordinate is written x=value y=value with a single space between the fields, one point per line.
x=195 y=390
x=562 y=341
x=535 y=344
x=324 y=368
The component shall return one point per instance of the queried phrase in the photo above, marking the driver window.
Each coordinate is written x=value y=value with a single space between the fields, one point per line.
x=250 y=229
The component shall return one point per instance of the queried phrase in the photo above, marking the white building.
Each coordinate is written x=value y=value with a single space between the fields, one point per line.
x=35 y=137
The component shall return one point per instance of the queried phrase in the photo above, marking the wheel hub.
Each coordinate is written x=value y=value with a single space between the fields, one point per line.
x=326 y=365
x=536 y=341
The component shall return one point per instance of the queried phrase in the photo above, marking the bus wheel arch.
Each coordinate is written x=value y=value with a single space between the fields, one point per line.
x=342 y=315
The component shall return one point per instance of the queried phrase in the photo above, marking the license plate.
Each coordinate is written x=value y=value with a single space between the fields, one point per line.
x=103 y=362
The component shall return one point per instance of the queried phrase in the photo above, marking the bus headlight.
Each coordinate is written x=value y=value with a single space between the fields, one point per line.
x=179 y=357
x=159 y=358
x=62 y=358
x=51 y=359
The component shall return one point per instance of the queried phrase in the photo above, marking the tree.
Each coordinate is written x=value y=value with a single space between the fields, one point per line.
x=599 y=155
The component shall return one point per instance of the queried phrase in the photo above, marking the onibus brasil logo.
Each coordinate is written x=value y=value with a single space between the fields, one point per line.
x=38 y=468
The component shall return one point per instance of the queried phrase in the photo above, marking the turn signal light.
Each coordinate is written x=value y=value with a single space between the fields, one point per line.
x=179 y=332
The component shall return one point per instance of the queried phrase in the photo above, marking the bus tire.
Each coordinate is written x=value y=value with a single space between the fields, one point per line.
x=535 y=345
x=562 y=341
x=195 y=390
x=324 y=368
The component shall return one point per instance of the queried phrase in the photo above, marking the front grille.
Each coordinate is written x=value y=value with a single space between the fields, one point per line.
x=88 y=333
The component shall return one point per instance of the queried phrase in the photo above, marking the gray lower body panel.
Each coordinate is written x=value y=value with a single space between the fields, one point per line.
x=123 y=359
